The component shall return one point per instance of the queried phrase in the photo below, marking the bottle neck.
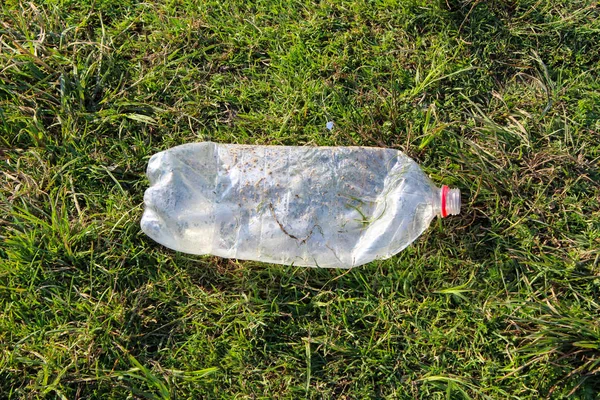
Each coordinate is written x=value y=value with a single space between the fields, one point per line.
x=449 y=201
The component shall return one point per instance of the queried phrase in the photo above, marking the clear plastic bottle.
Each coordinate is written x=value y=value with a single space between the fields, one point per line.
x=336 y=207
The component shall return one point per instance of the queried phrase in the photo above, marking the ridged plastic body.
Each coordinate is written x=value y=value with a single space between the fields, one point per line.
x=307 y=206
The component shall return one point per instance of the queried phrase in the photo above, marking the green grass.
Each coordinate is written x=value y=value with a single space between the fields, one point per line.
x=498 y=98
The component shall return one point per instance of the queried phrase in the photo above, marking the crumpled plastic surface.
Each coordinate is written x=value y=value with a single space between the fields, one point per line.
x=307 y=206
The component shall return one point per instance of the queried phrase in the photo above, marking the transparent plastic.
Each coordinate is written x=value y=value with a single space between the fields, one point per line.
x=336 y=207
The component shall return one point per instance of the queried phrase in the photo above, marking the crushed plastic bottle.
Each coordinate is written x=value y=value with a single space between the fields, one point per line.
x=337 y=207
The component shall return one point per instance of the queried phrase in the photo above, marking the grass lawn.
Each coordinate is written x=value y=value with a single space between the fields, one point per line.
x=498 y=98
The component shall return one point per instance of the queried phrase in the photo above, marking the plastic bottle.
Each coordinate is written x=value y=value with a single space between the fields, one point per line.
x=308 y=206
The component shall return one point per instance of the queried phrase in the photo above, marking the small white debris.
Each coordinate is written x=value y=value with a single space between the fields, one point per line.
x=329 y=125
